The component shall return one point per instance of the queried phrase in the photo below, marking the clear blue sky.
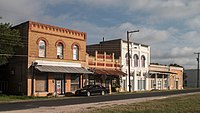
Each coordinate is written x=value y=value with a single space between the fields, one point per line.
x=170 y=27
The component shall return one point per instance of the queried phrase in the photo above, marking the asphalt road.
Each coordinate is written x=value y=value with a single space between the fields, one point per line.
x=82 y=100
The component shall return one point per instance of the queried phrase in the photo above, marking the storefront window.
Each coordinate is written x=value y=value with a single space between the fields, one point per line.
x=41 y=84
x=74 y=82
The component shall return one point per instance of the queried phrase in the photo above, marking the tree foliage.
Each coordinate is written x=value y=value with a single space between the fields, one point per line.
x=176 y=65
x=9 y=41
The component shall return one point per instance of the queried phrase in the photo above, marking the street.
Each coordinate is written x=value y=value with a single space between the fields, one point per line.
x=83 y=100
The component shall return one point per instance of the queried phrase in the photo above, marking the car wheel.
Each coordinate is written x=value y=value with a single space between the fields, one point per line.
x=88 y=94
x=102 y=92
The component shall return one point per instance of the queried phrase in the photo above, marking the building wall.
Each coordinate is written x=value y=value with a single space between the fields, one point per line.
x=191 y=79
x=137 y=73
x=112 y=46
x=32 y=32
x=68 y=82
x=18 y=64
x=176 y=80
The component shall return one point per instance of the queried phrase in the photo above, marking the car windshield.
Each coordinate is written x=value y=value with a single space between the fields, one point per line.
x=87 y=86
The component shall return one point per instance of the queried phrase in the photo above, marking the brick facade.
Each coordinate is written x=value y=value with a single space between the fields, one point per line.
x=32 y=33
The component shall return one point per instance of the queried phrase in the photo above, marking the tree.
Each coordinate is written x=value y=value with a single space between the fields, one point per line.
x=9 y=42
x=176 y=65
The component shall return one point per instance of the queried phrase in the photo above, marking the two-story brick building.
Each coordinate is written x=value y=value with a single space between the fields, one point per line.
x=106 y=69
x=52 y=60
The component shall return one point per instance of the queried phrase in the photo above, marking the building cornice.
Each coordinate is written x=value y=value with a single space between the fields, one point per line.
x=57 y=31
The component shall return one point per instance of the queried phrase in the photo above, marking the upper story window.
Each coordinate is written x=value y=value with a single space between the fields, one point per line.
x=143 y=60
x=60 y=51
x=75 y=52
x=136 y=60
x=42 y=48
x=126 y=56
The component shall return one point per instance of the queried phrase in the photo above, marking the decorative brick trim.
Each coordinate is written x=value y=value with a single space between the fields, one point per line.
x=60 y=41
x=75 y=43
x=57 y=29
x=57 y=35
x=44 y=39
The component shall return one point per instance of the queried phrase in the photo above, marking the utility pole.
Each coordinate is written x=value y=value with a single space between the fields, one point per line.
x=197 y=70
x=129 y=70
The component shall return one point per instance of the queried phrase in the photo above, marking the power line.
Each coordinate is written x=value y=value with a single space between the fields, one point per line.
x=12 y=55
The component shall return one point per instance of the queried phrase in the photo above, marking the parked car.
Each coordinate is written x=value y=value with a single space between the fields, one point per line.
x=89 y=90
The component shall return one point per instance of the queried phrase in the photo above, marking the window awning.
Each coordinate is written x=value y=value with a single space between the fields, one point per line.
x=62 y=69
x=103 y=71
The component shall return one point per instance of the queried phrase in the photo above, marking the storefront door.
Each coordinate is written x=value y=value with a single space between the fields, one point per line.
x=59 y=84
x=58 y=87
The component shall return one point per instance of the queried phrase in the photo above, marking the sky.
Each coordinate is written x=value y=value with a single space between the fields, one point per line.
x=170 y=27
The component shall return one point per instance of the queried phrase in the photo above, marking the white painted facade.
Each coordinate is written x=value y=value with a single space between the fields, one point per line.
x=139 y=73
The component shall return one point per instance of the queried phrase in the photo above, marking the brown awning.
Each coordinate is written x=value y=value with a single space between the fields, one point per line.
x=62 y=69
x=104 y=71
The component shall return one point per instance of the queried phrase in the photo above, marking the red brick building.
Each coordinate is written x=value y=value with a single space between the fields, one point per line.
x=52 y=60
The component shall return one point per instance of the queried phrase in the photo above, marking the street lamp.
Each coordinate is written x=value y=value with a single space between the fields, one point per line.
x=129 y=71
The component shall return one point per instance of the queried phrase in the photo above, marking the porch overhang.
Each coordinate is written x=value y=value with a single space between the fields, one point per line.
x=161 y=72
x=62 y=69
x=104 y=71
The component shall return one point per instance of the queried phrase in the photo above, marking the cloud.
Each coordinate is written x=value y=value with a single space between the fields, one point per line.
x=194 y=23
x=145 y=35
x=170 y=27
x=179 y=52
x=152 y=36
x=20 y=10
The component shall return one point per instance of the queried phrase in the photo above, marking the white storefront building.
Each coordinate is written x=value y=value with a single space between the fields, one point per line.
x=139 y=63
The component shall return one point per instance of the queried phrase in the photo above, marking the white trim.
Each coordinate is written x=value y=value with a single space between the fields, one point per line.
x=51 y=63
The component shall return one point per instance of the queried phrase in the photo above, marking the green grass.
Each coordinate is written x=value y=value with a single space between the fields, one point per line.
x=181 y=104
x=11 y=98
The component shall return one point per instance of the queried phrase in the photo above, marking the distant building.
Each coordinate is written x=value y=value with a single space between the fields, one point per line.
x=52 y=61
x=176 y=78
x=163 y=77
x=191 y=78
x=140 y=60
x=159 y=77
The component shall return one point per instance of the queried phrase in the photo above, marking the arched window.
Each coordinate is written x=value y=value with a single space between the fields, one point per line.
x=136 y=59
x=143 y=60
x=60 y=51
x=75 y=52
x=126 y=56
x=42 y=48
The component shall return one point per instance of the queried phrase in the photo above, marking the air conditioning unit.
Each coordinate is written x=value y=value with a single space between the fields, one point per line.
x=60 y=56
